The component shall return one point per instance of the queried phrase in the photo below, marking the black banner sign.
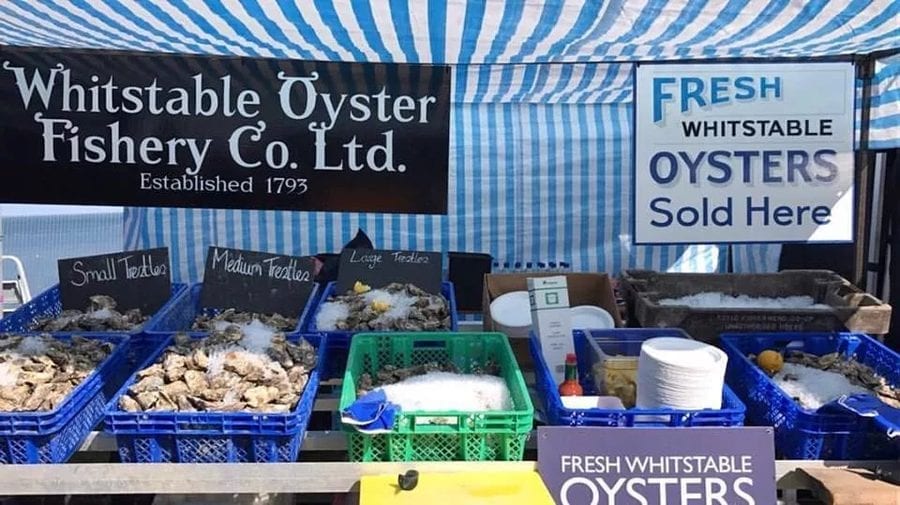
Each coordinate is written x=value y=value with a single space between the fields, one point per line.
x=256 y=281
x=146 y=129
x=379 y=268
x=135 y=279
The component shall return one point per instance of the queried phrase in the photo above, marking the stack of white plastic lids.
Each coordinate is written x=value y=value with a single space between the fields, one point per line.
x=682 y=374
x=589 y=317
x=511 y=313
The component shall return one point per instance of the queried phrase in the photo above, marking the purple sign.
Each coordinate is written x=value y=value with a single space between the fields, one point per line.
x=658 y=466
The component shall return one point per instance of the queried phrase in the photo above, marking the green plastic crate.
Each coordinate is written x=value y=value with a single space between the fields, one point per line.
x=468 y=436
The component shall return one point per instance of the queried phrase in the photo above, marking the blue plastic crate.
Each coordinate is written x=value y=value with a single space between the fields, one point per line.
x=179 y=315
x=52 y=437
x=339 y=341
x=212 y=437
x=629 y=340
x=48 y=304
x=802 y=433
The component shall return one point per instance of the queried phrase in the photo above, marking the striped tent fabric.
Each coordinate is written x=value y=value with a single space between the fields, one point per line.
x=541 y=128
x=884 y=130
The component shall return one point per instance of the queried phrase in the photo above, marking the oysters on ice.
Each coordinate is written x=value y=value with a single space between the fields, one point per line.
x=38 y=372
x=101 y=315
x=400 y=307
x=224 y=372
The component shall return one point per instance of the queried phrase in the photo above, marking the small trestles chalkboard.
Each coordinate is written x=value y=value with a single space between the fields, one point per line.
x=378 y=268
x=135 y=279
x=256 y=281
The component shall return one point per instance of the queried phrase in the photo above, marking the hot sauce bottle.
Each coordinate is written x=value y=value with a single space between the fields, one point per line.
x=570 y=386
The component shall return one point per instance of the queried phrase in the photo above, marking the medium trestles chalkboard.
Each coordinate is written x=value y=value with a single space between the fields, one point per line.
x=256 y=281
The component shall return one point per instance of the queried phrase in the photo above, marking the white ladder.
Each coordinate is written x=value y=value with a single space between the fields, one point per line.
x=15 y=292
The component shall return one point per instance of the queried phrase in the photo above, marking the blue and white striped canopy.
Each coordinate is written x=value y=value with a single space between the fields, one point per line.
x=541 y=124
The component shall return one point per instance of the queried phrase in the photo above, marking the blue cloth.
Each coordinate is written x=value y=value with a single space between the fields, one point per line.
x=864 y=405
x=371 y=413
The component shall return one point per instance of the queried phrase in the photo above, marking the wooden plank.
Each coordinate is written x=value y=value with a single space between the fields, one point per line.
x=99 y=441
x=851 y=487
x=120 y=478
x=315 y=441
x=312 y=477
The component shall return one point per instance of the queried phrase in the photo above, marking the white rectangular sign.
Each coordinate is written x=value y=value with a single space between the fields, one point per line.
x=744 y=153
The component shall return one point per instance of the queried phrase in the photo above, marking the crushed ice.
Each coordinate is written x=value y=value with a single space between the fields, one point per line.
x=101 y=314
x=443 y=391
x=330 y=314
x=32 y=346
x=812 y=387
x=218 y=357
x=400 y=305
x=717 y=300
x=257 y=336
x=255 y=342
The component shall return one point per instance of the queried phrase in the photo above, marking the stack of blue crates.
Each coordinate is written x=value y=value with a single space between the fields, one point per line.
x=339 y=341
x=628 y=343
x=210 y=437
x=52 y=437
x=802 y=433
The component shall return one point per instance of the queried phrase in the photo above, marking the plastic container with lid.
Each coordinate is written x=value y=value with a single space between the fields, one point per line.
x=614 y=365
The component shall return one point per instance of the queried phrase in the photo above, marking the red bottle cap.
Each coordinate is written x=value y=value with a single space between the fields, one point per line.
x=570 y=358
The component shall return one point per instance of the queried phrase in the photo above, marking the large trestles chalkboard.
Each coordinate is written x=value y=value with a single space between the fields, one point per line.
x=377 y=268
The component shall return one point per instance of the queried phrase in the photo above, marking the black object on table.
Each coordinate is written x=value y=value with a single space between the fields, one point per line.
x=466 y=271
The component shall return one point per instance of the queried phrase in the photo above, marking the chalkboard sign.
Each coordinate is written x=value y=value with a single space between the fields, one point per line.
x=135 y=279
x=378 y=268
x=256 y=281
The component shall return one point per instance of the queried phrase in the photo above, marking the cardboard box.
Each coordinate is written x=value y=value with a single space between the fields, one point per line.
x=584 y=289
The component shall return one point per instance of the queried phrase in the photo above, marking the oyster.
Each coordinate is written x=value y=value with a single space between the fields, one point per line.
x=199 y=359
x=175 y=367
x=260 y=395
x=174 y=389
x=151 y=383
x=206 y=322
x=37 y=373
x=100 y=315
x=147 y=400
x=223 y=372
x=129 y=404
x=415 y=310
x=196 y=381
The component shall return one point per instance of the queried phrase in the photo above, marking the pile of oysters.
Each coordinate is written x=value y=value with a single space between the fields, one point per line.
x=366 y=311
x=227 y=371
x=101 y=315
x=38 y=372
x=856 y=372
x=205 y=322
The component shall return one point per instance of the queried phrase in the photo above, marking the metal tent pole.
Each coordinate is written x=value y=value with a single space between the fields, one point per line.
x=874 y=264
x=865 y=70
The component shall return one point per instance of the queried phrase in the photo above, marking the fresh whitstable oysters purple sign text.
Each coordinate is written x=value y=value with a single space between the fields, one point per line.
x=658 y=466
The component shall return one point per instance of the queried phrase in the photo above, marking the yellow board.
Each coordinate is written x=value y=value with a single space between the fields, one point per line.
x=484 y=488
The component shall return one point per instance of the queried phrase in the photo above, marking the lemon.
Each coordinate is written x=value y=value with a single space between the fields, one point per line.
x=770 y=361
x=381 y=306
x=360 y=288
